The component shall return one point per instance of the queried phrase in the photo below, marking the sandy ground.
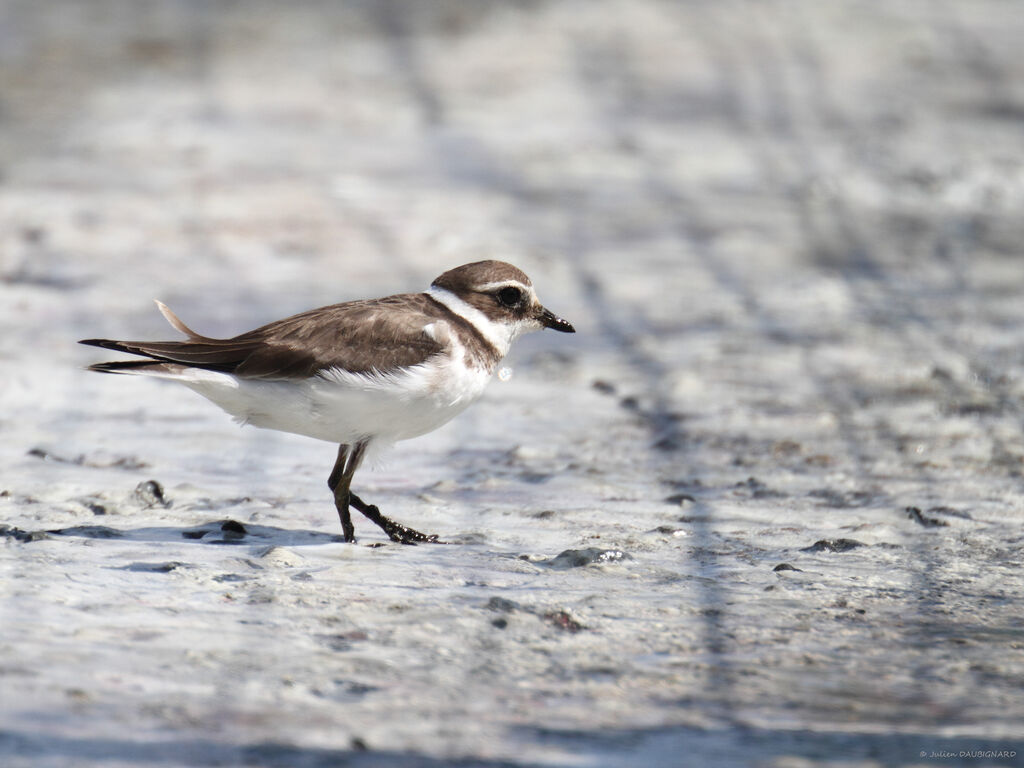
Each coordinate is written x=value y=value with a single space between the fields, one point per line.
x=783 y=453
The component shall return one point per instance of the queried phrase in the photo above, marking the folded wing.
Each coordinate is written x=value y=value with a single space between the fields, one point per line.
x=358 y=336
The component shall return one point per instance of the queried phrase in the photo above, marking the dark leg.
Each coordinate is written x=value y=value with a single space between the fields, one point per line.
x=349 y=459
x=339 y=482
x=339 y=467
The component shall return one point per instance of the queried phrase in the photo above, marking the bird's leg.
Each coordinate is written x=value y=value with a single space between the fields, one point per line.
x=349 y=459
x=339 y=483
x=339 y=467
x=395 y=531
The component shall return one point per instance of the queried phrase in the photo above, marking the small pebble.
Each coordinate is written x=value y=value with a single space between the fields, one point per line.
x=11 y=532
x=167 y=567
x=576 y=558
x=680 y=499
x=915 y=514
x=90 y=532
x=151 y=494
x=233 y=529
x=502 y=604
x=833 y=545
x=563 y=620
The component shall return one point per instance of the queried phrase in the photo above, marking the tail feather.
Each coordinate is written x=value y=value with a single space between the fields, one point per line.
x=135 y=366
x=177 y=324
x=199 y=351
x=214 y=354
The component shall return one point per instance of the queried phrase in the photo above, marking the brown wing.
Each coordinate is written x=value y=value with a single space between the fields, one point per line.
x=359 y=336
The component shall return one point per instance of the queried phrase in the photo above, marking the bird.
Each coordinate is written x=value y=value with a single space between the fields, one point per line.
x=363 y=374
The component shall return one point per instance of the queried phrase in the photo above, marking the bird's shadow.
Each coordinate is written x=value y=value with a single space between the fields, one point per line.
x=223 y=532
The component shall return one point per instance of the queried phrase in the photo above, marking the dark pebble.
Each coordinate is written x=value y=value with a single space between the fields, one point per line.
x=358 y=745
x=833 y=545
x=786 y=567
x=680 y=499
x=219 y=532
x=502 y=605
x=11 y=532
x=576 y=558
x=667 y=530
x=45 y=455
x=359 y=689
x=230 y=577
x=563 y=620
x=669 y=444
x=233 y=527
x=40 y=453
x=500 y=623
x=90 y=532
x=604 y=387
x=154 y=567
x=918 y=516
x=151 y=494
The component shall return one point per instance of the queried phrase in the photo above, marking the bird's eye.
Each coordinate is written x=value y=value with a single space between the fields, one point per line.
x=509 y=296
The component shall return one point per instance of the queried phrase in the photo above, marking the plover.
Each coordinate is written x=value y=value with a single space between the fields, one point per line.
x=363 y=374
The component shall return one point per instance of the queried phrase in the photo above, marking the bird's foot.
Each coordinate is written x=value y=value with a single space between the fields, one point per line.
x=406 y=535
x=397 y=532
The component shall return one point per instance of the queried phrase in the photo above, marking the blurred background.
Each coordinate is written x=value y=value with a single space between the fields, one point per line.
x=603 y=139
x=789 y=233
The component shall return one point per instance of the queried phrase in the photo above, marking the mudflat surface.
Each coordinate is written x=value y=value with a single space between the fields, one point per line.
x=763 y=509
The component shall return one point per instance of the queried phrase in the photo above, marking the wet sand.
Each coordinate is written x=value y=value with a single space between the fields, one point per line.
x=763 y=509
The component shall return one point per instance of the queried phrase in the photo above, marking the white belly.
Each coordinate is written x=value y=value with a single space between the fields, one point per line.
x=344 y=407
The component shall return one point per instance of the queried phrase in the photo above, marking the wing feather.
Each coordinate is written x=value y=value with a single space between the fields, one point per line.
x=357 y=336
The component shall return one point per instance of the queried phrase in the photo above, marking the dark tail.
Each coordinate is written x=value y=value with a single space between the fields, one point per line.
x=108 y=344
x=211 y=354
x=127 y=366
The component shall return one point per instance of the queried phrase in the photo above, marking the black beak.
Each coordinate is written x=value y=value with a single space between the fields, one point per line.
x=550 y=320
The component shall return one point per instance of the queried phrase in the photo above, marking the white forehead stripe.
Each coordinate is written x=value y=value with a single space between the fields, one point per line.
x=499 y=284
x=498 y=334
